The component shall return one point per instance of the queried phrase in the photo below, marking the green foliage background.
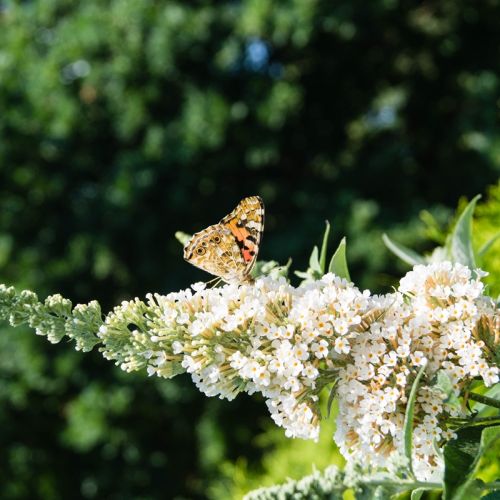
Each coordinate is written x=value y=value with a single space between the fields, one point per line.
x=122 y=122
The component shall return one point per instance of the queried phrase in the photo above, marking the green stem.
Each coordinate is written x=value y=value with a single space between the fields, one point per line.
x=468 y=422
x=495 y=485
x=410 y=485
x=484 y=399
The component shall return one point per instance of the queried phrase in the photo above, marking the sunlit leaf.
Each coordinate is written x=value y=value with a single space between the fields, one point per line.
x=460 y=241
x=338 y=264
x=314 y=260
x=417 y=493
x=405 y=254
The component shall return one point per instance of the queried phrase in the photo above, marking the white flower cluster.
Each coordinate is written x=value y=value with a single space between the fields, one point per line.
x=267 y=337
x=430 y=320
x=289 y=343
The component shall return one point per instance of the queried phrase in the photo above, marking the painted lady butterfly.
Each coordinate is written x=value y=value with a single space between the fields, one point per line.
x=229 y=249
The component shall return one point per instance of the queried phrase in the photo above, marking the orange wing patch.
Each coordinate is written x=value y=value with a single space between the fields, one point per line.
x=244 y=240
x=229 y=249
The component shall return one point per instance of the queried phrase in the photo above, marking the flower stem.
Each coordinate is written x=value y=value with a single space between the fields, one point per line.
x=469 y=422
x=484 y=399
x=410 y=485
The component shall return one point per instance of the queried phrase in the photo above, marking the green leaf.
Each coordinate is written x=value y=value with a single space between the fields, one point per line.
x=462 y=456
x=408 y=422
x=314 y=260
x=459 y=455
x=488 y=245
x=302 y=274
x=324 y=247
x=460 y=241
x=471 y=489
x=331 y=397
x=338 y=264
x=444 y=383
x=417 y=493
x=405 y=254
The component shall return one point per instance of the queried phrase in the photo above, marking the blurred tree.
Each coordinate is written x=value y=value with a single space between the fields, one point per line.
x=123 y=122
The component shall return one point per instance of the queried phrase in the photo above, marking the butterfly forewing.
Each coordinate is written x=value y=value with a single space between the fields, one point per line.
x=229 y=249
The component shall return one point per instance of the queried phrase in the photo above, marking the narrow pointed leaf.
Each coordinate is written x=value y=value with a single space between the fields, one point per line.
x=324 y=248
x=408 y=422
x=461 y=237
x=405 y=254
x=417 y=493
x=338 y=264
x=331 y=397
x=314 y=260
x=301 y=274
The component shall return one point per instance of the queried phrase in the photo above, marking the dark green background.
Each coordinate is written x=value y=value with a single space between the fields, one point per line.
x=122 y=122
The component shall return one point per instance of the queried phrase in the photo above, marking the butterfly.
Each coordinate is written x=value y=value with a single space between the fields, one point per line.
x=229 y=249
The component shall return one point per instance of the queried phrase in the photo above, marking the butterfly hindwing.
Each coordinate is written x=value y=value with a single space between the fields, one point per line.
x=229 y=249
x=214 y=250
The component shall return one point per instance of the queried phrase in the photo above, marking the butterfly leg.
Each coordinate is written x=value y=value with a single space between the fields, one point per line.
x=217 y=282
x=213 y=282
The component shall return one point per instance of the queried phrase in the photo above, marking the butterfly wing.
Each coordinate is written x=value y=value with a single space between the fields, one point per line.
x=246 y=223
x=229 y=249
x=214 y=250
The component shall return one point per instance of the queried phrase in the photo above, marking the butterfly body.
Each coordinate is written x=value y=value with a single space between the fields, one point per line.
x=229 y=249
